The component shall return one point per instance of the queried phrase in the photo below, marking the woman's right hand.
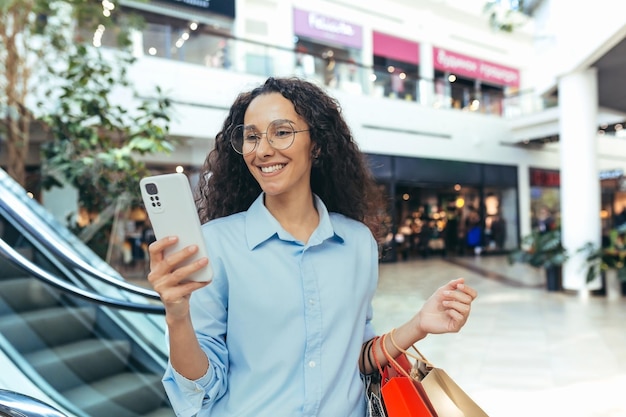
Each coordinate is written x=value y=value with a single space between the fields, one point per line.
x=167 y=279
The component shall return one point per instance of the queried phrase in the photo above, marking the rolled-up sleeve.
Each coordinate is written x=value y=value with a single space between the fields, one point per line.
x=187 y=396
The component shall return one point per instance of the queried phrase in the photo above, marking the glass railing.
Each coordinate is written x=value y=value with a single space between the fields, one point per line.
x=525 y=103
x=255 y=58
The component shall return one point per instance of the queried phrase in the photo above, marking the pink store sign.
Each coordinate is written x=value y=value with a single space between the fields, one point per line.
x=396 y=48
x=316 y=26
x=475 y=68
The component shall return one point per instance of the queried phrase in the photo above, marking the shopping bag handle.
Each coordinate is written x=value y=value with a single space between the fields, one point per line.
x=380 y=368
x=419 y=357
x=390 y=359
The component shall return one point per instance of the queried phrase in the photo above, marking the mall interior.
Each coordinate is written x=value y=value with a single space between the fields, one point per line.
x=476 y=117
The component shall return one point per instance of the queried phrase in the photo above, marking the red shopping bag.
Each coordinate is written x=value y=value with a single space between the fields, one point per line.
x=402 y=395
x=402 y=398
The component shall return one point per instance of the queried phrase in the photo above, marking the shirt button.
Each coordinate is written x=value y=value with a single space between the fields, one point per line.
x=311 y=301
x=312 y=364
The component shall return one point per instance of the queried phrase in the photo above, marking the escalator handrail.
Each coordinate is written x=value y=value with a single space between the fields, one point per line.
x=75 y=261
x=21 y=262
x=14 y=403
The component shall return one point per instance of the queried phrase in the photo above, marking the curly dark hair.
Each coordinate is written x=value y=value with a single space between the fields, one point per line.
x=340 y=176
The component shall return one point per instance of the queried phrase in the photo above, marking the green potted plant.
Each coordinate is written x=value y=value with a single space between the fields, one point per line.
x=610 y=262
x=543 y=250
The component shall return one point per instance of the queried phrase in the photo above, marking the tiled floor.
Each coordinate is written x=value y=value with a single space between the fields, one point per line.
x=524 y=351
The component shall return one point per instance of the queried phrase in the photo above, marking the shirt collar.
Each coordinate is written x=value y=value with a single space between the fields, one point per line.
x=261 y=225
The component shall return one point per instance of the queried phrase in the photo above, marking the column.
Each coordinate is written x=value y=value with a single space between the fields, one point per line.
x=580 y=184
x=523 y=187
x=427 y=75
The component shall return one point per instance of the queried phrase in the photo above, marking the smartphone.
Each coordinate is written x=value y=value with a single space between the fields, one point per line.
x=172 y=211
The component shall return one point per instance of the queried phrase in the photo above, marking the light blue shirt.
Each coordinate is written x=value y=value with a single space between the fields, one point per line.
x=283 y=322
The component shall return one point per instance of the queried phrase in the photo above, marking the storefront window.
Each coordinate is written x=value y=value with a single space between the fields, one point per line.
x=187 y=41
x=328 y=50
x=333 y=66
x=177 y=38
x=473 y=84
x=545 y=196
x=455 y=220
x=467 y=94
x=396 y=72
x=613 y=208
x=395 y=79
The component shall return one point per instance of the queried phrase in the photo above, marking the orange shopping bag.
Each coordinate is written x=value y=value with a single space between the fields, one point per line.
x=402 y=395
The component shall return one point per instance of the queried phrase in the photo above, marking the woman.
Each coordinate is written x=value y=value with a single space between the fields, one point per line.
x=291 y=215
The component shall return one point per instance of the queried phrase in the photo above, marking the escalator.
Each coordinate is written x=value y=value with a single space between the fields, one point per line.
x=73 y=333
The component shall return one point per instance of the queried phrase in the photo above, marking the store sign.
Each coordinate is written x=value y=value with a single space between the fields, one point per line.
x=316 y=26
x=611 y=174
x=544 y=178
x=223 y=7
x=396 y=48
x=475 y=68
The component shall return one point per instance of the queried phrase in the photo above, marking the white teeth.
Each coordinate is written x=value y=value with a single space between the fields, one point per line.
x=273 y=168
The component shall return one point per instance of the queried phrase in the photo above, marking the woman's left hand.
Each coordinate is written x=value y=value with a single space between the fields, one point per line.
x=447 y=310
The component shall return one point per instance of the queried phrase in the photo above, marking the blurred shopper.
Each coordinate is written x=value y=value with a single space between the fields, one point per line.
x=451 y=232
x=405 y=238
x=425 y=234
x=474 y=236
x=545 y=221
x=291 y=214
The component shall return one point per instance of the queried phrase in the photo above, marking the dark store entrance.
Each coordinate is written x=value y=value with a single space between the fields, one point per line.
x=447 y=208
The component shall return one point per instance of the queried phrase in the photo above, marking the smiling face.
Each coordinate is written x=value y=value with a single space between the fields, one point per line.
x=279 y=172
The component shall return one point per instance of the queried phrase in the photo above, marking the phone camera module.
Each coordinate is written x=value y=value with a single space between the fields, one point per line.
x=151 y=188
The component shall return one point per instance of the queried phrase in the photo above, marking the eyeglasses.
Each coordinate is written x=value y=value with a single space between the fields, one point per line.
x=280 y=135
